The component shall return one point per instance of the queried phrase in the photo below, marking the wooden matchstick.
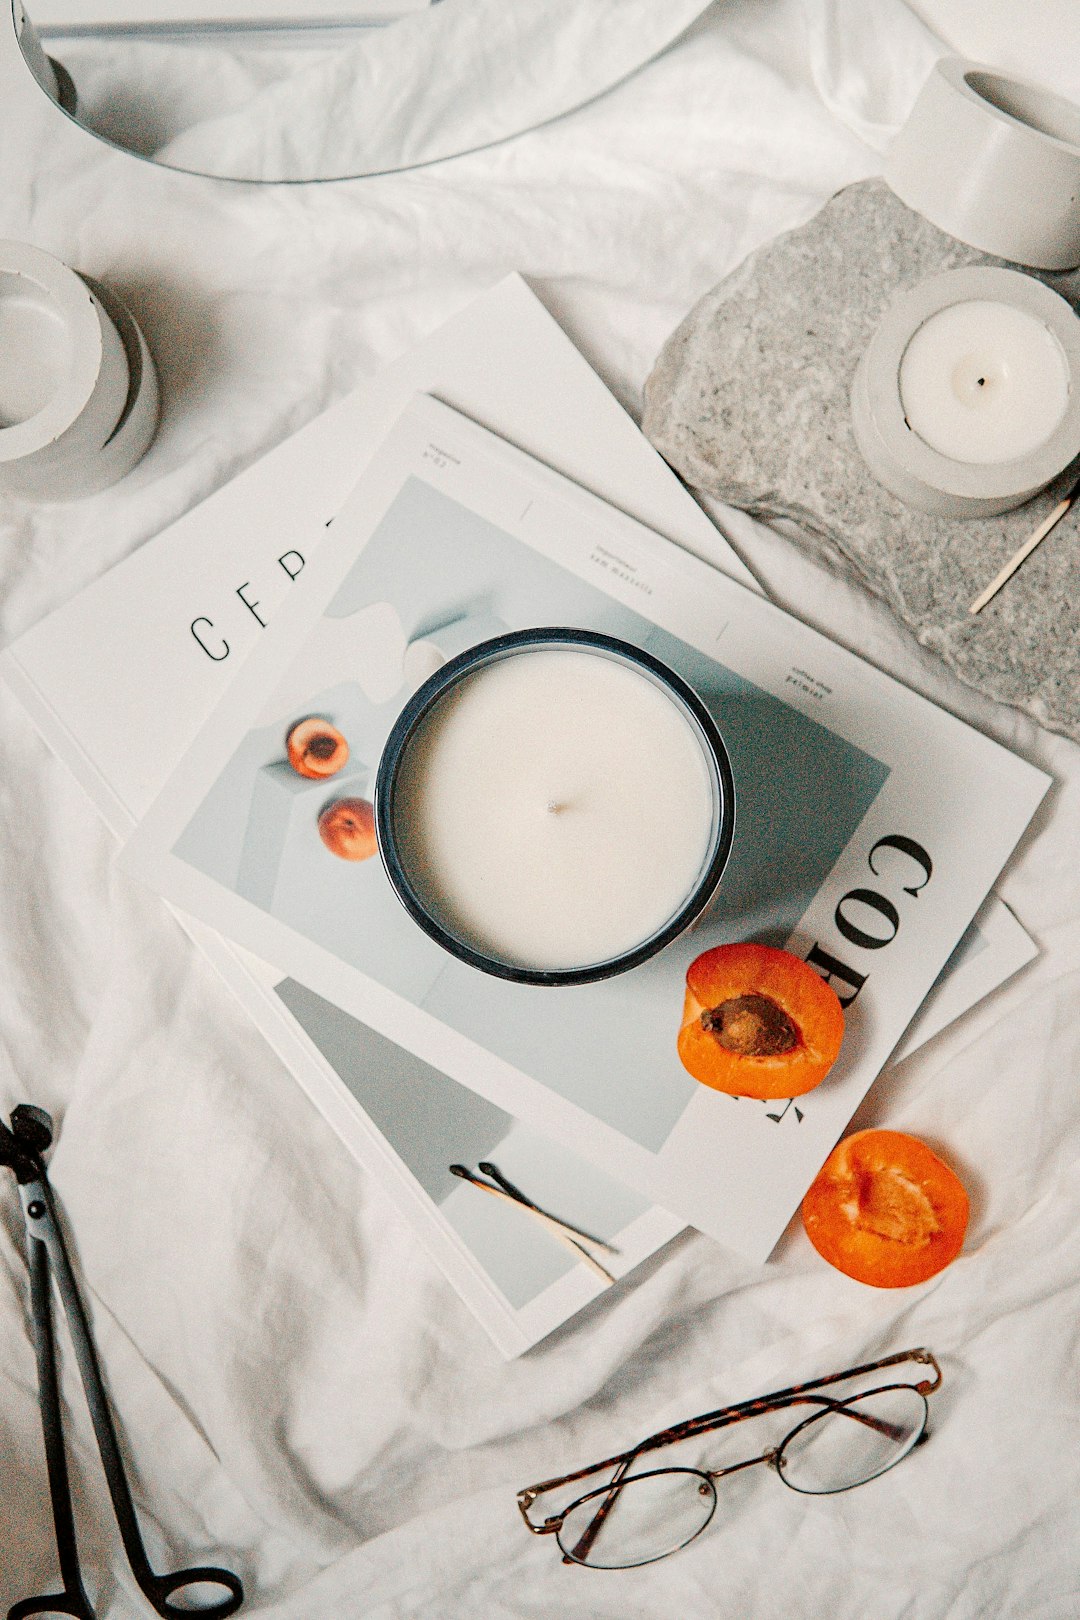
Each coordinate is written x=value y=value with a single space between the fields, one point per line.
x=555 y=1227
x=1026 y=549
x=486 y=1168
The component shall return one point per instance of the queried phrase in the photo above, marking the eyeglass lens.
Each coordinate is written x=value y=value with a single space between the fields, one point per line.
x=853 y=1442
x=648 y=1516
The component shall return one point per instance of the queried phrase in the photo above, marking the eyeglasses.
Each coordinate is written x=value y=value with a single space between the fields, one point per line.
x=637 y=1516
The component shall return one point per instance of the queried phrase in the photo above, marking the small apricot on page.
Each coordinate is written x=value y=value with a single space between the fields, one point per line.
x=347 y=828
x=315 y=748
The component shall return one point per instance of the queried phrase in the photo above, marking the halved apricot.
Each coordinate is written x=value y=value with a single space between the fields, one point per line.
x=347 y=828
x=886 y=1210
x=316 y=748
x=758 y=1022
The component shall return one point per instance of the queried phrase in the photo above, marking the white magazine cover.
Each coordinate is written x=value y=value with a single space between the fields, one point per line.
x=871 y=824
x=506 y=361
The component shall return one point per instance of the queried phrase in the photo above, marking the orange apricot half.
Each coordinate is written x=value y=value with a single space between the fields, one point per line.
x=886 y=1210
x=758 y=1022
x=316 y=748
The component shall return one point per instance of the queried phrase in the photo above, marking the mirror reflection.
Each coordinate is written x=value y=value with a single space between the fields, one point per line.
x=252 y=90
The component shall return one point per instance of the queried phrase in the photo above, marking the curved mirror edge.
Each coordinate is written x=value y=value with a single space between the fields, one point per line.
x=307 y=103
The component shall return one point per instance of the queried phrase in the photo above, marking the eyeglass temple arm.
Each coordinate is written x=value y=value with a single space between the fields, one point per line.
x=784 y=1397
x=585 y=1541
x=924 y=1357
x=720 y=1418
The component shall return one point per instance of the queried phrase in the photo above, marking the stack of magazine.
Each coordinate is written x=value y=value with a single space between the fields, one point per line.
x=488 y=482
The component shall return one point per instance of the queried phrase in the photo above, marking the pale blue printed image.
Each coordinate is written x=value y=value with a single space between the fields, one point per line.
x=432 y=1122
x=801 y=792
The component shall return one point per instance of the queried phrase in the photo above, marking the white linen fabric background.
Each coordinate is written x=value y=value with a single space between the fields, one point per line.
x=302 y=1396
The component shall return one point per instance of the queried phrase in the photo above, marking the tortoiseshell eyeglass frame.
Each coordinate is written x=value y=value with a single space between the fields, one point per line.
x=798 y=1395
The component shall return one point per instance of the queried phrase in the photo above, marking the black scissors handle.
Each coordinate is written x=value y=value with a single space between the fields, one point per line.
x=159 y=1589
x=66 y=1603
x=73 y=1600
x=45 y=1244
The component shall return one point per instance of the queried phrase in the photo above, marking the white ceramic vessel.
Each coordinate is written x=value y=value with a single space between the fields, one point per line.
x=78 y=390
x=905 y=462
x=995 y=162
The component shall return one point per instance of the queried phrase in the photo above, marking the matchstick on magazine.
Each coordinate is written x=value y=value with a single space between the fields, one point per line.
x=572 y=1236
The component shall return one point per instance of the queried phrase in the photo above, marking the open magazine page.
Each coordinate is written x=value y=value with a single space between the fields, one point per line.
x=870 y=823
x=82 y=674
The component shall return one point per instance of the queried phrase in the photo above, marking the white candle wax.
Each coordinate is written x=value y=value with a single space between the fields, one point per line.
x=983 y=382
x=556 y=809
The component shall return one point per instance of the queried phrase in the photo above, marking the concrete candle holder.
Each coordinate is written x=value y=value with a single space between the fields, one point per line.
x=78 y=389
x=995 y=162
x=1028 y=399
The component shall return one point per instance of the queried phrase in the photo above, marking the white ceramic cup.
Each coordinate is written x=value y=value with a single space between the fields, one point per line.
x=78 y=390
x=995 y=162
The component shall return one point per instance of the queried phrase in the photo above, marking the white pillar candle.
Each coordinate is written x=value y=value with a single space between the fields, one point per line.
x=967 y=400
x=984 y=382
x=556 y=808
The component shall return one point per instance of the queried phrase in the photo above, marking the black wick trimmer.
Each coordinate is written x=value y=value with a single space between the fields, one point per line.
x=21 y=1149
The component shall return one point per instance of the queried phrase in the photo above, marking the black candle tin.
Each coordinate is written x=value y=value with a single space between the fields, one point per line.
x=389 y=808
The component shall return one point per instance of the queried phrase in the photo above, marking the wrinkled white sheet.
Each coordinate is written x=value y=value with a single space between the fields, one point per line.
x=301 y=1394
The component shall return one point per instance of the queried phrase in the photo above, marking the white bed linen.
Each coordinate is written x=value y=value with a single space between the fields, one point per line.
x=301 y=1394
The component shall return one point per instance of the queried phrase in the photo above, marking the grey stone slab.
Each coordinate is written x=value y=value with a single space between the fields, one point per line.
x=749 y=401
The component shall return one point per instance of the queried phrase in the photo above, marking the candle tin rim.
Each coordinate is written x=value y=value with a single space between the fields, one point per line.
x=435 y=688
x=878 y=381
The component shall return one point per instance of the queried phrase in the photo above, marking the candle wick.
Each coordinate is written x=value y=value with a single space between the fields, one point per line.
x=554 y=808
x=982 y=382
